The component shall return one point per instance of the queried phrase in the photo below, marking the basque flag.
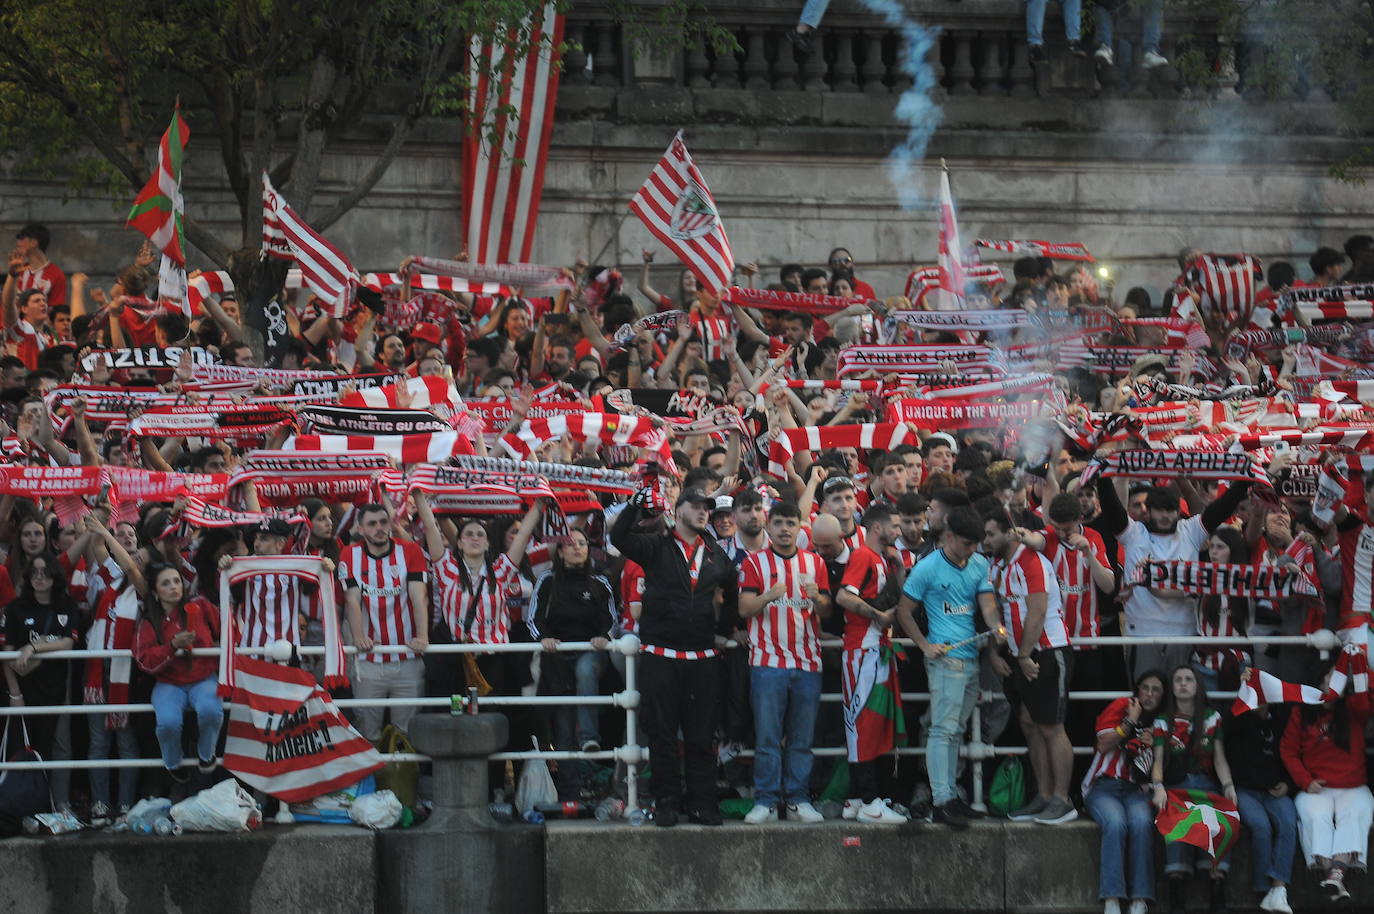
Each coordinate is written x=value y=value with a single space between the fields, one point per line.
x=1202 y=819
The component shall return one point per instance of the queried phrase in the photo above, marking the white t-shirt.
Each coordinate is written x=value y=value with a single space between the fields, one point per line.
x=1147 y=614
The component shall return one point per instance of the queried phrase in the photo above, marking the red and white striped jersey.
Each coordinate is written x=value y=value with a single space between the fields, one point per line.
x=474 y=605
x=270 y=610
x=1028 y=572
x=714 y=333
x=784 y=635
x=1117 y=763
x=383 y=584
x=855 y=540
x=865 y=575
x=631 y=591
x=1214 y=658
x=1356 y=538
x=1076 y=588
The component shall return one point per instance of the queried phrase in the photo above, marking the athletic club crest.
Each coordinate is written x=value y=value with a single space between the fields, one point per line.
x=694 y=215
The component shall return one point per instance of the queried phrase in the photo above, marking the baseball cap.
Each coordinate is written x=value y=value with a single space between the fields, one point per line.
x=427 y=332
x=723 y=503
x=275 y=526
x=696 y=496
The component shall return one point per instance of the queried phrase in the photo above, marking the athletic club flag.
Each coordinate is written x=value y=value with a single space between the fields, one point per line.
x=1261 y=688
x=324 y=269
x=287 y=738
x=1202 y=819
x=676 y=205
x=510 y=102
x=953 y=278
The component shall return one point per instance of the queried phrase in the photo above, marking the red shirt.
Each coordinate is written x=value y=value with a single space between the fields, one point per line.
x=153 y=649
x=49 y=278
x=866 y=576
x=1310 y=754
x=384 y=585
x=1076 y=587
x=631 y=591
x=785 y=635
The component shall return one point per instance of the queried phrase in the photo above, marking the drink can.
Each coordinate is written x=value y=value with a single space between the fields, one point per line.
x=457 y=704
x=472 y=700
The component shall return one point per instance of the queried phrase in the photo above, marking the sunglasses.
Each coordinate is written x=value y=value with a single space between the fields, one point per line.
x=841 y=260
x=837 y=482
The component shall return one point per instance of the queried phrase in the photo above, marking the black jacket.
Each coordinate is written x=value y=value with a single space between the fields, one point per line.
x=674 y=614
x=572 y=605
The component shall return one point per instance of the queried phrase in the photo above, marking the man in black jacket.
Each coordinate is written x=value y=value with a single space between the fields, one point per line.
x=685 y=574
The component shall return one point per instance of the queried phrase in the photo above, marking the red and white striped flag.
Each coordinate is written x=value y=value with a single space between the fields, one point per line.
x=287 y=738
x=325 y=270
x=1227 y=283
x=676 y=205
x=609 y=428
x=953 y=277
x=1261 y=688
x=871 y=436
x=511 y=101
x=424 y=392
x=922 y=281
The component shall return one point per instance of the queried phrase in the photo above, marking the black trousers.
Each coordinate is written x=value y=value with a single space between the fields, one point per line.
x=681 y=694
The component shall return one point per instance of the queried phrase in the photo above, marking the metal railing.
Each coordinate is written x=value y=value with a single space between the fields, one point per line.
x=628 y=698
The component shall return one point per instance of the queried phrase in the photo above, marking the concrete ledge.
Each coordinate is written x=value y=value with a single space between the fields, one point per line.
x=837 y=866
x=306 y=868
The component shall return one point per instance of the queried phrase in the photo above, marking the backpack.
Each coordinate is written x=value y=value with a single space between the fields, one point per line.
x=1008 y=789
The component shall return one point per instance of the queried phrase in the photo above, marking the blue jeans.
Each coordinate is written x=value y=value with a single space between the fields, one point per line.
x=1184 y=858
x=1272 y=823
x=100 y=741
x=170 y=703
x=813 y=11
x=1035 y=20
x=785 y=704
x=573 y=727
x=1127 y=821
x=1151 y=32
x=953 y=692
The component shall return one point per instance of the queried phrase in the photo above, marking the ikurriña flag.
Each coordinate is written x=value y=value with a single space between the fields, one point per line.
x=1200 y=818
x=287 y=738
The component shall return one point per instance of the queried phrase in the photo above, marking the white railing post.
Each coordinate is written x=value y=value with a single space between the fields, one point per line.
x=630 y=753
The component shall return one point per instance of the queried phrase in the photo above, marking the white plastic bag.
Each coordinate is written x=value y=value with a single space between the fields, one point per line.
x=536 y=784
x=223 y=807
x=376 y=810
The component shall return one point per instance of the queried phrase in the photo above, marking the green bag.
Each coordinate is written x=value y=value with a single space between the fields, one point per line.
x=1008 y=789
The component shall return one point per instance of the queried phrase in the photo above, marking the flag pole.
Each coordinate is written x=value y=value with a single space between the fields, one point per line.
x=615 y=233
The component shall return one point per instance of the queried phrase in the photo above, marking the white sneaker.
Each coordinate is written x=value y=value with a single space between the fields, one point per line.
x=100 y=814
x=804 y=812
x=851 y=809
x=1138 y=906
x=1154 y=59
x=1276 y=901
x=1105 y=55
x=1111 y=906
x=284 y=816
x=879 y=813
x=760 y=814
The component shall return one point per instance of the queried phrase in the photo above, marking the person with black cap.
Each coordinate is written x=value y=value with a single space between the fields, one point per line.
x=685 y=575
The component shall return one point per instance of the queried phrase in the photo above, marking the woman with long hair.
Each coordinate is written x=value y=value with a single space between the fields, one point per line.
x=169 y=628
x=1323 y=750
x=1113 y=792
x=1189 y=754
x=1220 y=668
x=40 y=620
x=573 y=602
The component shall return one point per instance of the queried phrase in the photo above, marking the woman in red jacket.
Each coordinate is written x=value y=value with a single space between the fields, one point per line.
x=1323 y=749
x=168 y=628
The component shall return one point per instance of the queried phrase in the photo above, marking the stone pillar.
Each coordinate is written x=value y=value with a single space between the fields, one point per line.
x=874 y=69
x=785 y=69
x=460 y=856
x=846 y=73
x=962 y=72
x=1022 y=74
x=755 y=63
x=990 y=74
x=698 y=67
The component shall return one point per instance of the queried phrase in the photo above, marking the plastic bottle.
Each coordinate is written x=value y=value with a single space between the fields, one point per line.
x=534 y=817
x=166 y=827
x=32 y=826
x=638 y=816
x=502 y=812
x=610 y=808
x=570 y=809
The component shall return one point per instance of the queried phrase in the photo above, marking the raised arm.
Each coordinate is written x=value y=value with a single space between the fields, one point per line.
x=521 y=540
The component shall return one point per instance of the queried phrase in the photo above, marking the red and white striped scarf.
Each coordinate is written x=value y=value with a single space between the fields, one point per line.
x=531 y=279
x=1314 y=362
x=951 y=413
x=430 y=282
x=806 y=303
x=428 y=447
x=137 y=485
x=1261 y=688
x=274 y=376
x=1355 y=438
x=975 y=321
x=1227 y=284
x=596 y=479
x=200 y=513
x=424 y=392
x=450 y=480
x=1258 y=582
x=285 y=477
x=923 y=280
x=1337 y=311
x=919 y=358
x=306 y=567
x=663 y=320
x=1055 y=250
x=1324 y=335
x=1352 y=669
x=116 y=615
x=608 y=428
x=1024 y=384
x=870 y=436
x=247 y=422
x=1150 y=464
x=39 y=482
x=216 y=282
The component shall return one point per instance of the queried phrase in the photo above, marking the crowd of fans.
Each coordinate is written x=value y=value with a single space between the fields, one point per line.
x=783 y=526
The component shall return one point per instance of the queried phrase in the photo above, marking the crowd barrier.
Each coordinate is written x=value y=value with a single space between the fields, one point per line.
x=630 y=753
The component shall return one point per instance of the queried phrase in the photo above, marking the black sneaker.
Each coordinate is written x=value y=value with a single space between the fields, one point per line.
x=965 y=810
x=949 y=815
x=801 y=41
x=665 y=816
x=705 y=817
x=1037 y=54
x=1076 y=49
